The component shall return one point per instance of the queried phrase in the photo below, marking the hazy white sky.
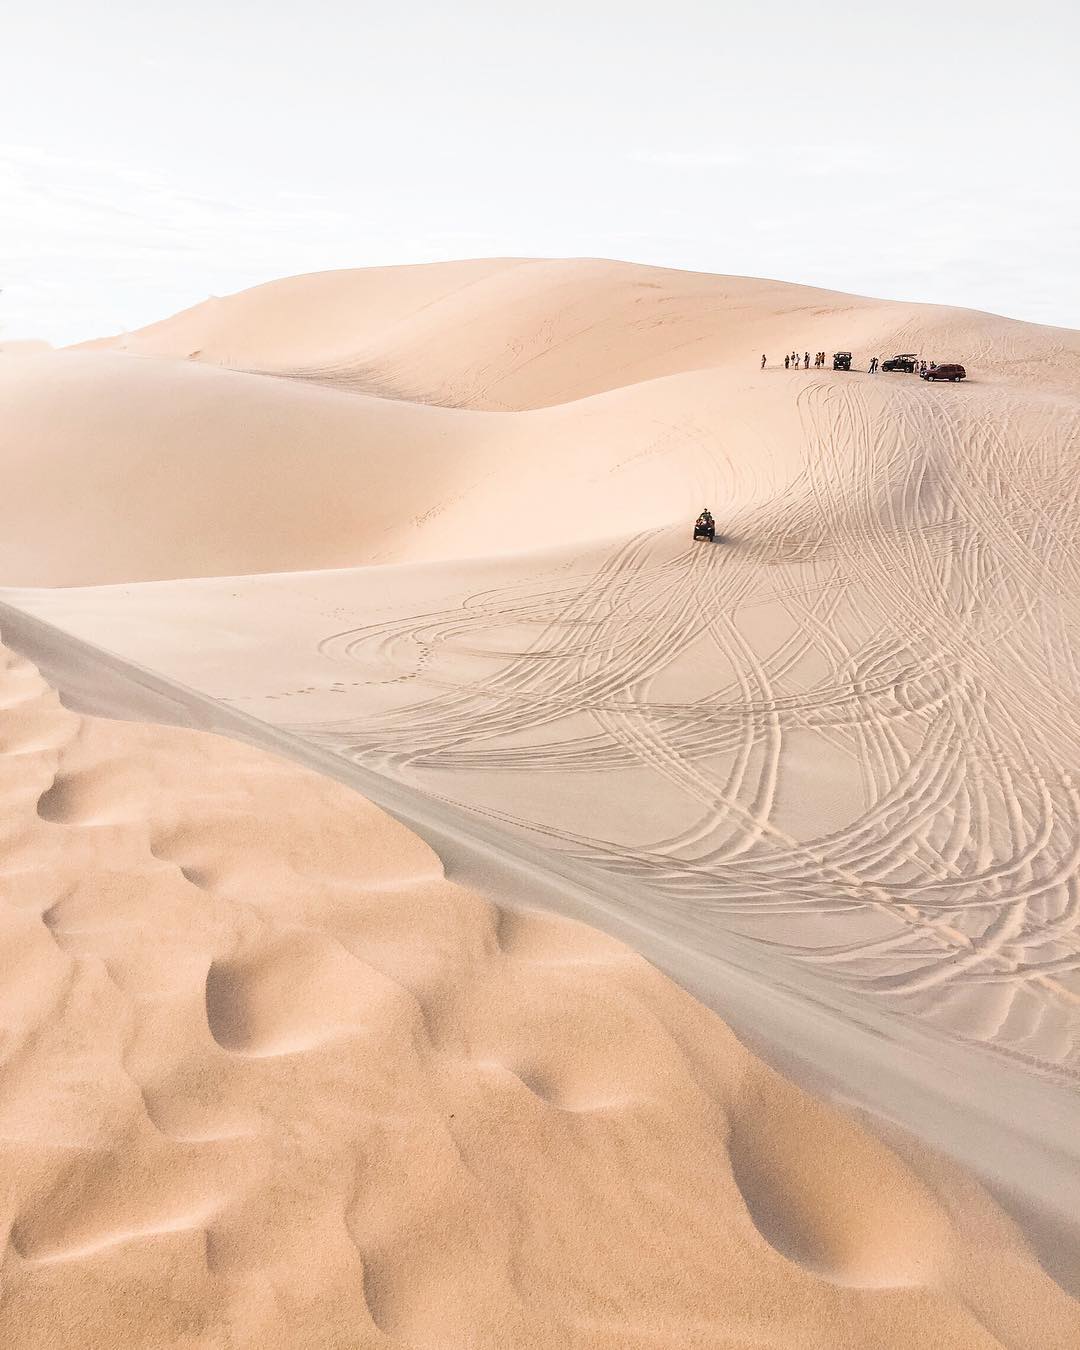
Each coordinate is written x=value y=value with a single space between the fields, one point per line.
x=152 y=154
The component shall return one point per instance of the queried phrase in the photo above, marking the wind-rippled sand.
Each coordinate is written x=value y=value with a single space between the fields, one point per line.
x=270 y=1080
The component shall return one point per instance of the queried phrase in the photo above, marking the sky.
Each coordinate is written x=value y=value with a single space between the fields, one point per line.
x=152 y=155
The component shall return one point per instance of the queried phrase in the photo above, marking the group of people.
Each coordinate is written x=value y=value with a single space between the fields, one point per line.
x=792 y=360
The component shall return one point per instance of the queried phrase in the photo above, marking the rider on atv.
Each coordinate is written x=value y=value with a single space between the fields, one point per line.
x=705 y=526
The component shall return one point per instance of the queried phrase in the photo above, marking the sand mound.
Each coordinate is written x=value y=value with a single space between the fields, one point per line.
x=528 y=333
x=269 y=1079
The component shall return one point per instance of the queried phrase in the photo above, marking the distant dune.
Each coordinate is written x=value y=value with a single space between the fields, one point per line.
x=512 y=334
x=647 y=383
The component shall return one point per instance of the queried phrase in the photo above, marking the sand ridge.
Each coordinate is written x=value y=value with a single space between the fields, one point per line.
x=269 y=1078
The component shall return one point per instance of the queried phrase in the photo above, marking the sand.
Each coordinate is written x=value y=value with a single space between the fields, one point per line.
x=846 y=732
x=270 y=1079
x=545 y=404
x=435 y=522
x=25 y=347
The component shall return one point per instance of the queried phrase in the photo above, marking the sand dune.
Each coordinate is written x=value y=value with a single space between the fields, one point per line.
x=525 y=333
x=436 y=522
x=847 y=732
x=645 y=384
x=269 y=1079
x=245 y=473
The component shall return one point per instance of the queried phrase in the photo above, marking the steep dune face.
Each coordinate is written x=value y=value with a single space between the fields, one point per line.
x=270 y=1080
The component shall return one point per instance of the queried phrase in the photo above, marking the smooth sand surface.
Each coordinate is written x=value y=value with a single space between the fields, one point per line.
x=270 y=1080
x=26 y=347
x=436 y=521
x=541 y=404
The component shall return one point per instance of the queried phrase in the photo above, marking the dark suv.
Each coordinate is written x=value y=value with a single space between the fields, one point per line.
x=953 y=372
x=905 y=361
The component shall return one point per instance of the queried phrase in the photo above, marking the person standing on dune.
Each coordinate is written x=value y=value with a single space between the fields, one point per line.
x=806 y=360
x=787 y=362
x=763 y=362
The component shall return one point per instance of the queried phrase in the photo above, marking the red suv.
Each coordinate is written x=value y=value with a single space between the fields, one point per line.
x=944 y=373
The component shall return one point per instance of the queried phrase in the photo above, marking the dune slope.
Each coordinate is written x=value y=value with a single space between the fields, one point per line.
x=580 y=400
x=269 y=1079
x=122 y=470
x=509 y=334
x=846 y=731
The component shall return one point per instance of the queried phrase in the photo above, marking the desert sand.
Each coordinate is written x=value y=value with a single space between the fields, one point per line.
x=270 y=1079
x=14 y=353
x=537 y=404
x=435 y=523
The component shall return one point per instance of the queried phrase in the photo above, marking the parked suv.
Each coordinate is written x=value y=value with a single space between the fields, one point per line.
x=953 y=372
x=905 y=361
